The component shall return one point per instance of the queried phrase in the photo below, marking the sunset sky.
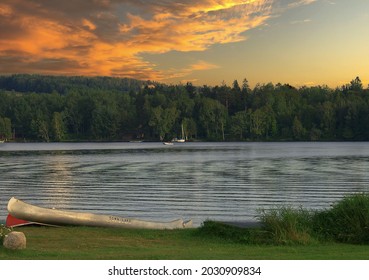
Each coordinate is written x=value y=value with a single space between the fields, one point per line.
x=301 y=42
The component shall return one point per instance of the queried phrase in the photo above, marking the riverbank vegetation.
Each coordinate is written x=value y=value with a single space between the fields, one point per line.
x=347 y=221
x=84 y=243
x=59 y=108
x=340 y=232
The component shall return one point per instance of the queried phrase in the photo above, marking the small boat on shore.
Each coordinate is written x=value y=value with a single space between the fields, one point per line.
x=29 y=214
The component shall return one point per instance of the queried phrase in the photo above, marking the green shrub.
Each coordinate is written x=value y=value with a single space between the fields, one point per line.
x=346 y=221
x=225 y=232
x=286 y=225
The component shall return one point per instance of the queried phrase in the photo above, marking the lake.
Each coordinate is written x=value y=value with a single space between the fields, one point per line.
x=199 y=181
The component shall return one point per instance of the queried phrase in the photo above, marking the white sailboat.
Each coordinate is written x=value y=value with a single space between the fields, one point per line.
x=180 y=140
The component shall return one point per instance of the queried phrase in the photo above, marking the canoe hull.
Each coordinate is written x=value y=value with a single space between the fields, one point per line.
x=28 y=212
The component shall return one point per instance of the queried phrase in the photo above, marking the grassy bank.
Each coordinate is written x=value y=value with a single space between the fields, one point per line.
x=338 y=233
x=95 y=243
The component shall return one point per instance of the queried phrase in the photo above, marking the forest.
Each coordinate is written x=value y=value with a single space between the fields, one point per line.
x=61 y=108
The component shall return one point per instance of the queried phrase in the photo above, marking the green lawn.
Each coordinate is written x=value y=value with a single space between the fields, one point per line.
x=84 y=243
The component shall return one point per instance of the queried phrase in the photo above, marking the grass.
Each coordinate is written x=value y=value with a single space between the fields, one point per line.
x=286 y=225
x=338 y=233
x=82 y=243
x=346 y=221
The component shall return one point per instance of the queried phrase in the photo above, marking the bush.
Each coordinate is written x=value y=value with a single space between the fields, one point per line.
x=225 y=232
x=286 y=225
x=346 y=221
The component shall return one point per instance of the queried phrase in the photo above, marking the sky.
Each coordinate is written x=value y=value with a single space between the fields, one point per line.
x=206 y=42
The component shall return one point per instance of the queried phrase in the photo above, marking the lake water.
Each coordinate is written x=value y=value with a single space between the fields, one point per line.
x=199 y=181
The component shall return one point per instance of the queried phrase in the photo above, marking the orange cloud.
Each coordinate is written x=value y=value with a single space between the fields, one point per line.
x=300 y=3
x=5 y=10
x=186 y=71
x=203 y=65
x=106 y=37
x=87 y=23
x=197 y=25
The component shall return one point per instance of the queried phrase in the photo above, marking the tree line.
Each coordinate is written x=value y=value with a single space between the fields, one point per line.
x=60 y=108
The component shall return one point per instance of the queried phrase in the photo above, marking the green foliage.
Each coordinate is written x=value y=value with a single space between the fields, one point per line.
x=240 y=125
x=346 y=221
x=4 y=231
x=299 y=132
x=163 y=120
x=57 y=108
x=5 y=128
x=217 y=230
x=286 y=225
x=212 y=118
x=58 y=127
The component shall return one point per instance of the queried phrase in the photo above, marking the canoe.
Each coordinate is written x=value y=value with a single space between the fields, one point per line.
x=39 y=215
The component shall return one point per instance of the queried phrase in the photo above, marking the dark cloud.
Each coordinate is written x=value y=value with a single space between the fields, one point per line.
x=22 y=62
x=57 y=64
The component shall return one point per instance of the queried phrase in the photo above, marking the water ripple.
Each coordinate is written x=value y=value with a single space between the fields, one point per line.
x=222 y=181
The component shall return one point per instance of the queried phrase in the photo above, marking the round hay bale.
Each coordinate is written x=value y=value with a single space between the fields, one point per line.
x=15 y=240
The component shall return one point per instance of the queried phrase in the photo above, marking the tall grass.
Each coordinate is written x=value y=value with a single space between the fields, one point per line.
x=346 y=221
x=286 y=225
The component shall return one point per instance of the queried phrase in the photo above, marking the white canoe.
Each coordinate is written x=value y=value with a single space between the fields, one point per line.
x=28 y=212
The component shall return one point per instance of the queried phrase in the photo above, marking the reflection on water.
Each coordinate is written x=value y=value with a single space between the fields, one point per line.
x=222 y=181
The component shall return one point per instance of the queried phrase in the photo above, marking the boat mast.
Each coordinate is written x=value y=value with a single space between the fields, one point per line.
x=182 y=132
